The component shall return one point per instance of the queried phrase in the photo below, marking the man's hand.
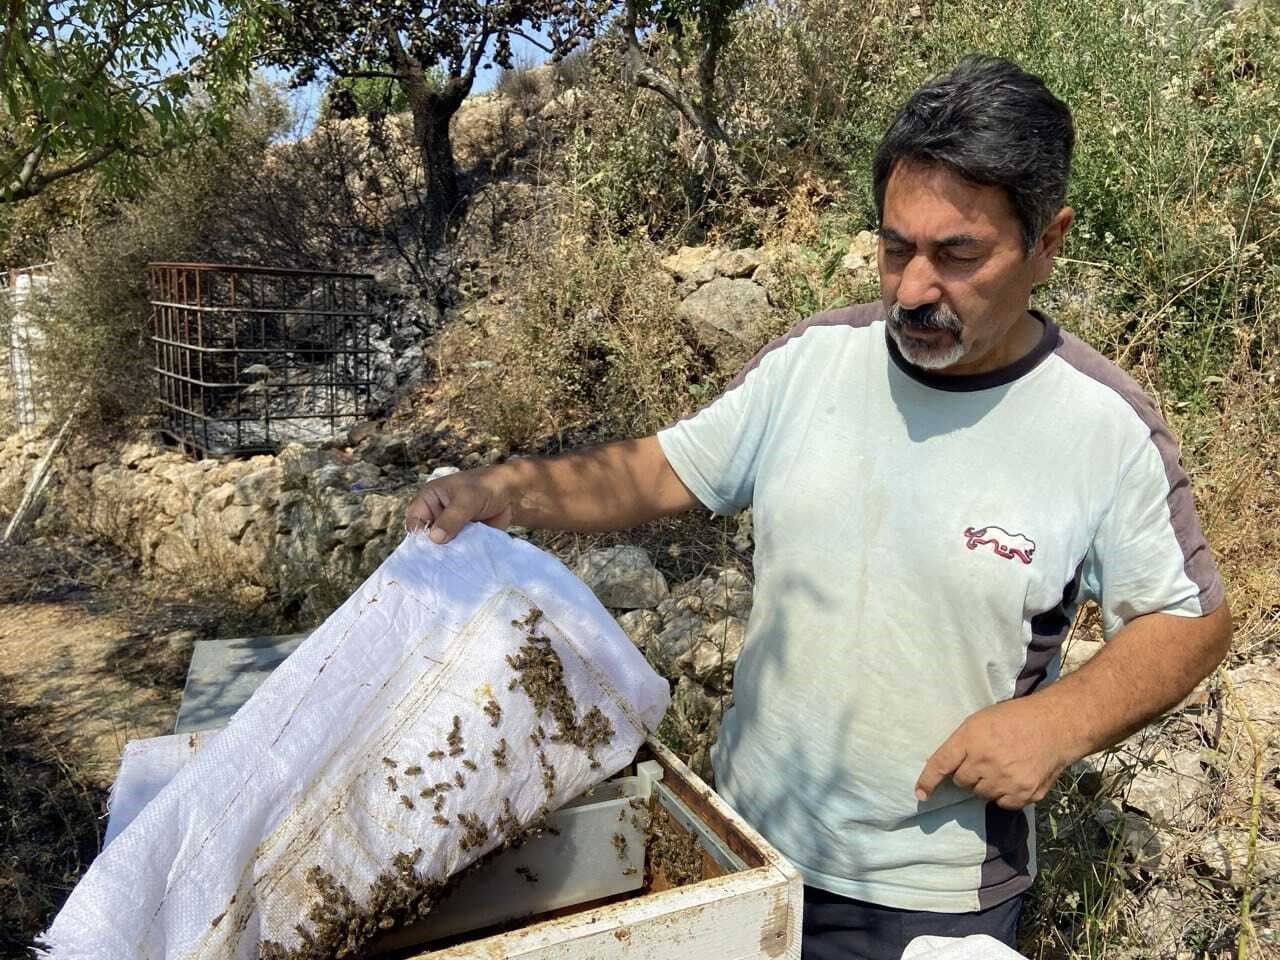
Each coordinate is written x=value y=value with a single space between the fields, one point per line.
x=449 y=503
x=1009 y=752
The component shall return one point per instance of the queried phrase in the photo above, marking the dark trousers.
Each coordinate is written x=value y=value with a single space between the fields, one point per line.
x=838 y=928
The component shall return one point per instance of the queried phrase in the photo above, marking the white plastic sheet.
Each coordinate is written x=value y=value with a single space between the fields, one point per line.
x=976 y=947
x=319 y=769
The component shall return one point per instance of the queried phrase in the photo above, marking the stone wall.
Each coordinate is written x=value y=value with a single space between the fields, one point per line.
x=305 y=518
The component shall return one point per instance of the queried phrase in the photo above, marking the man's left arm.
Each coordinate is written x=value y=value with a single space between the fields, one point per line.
x=1163 y=614
x=1012 y=752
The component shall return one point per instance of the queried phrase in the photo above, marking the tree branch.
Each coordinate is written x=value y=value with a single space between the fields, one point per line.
x=638 y=69
x=22 y=189
x=532 y=41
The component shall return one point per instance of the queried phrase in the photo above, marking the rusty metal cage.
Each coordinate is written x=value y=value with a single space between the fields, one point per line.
x=248 y=358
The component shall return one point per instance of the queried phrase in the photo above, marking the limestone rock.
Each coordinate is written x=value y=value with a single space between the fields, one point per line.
x=726 y=308
x=1077 y=653
x=622 y=577
x=385 y=450
x=1257 y=686
x=300 y=461
x=1140 y=839
x=259 y=489
x=861 y=253
x=678 y=636
x=234 y=520
x=692 y=264
x=728 y=593
x=739 y=263
x=365 y=475
x=343 y=513
x=134 y=453
x=218 y=498
x=1225 y=852
x=329 y=477
x=641 y=626
x=385 y=512
x=712 y=658
x=1169 y=791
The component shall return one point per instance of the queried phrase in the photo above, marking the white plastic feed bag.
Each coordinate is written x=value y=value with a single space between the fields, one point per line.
x=459 y=694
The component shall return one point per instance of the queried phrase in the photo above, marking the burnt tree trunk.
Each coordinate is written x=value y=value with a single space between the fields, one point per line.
x=442 y=203
x=433 y=107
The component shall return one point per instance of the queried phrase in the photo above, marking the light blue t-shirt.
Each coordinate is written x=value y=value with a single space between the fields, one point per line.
x=922 y=545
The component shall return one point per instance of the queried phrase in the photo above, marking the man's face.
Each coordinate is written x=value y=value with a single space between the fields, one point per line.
x=954 y=274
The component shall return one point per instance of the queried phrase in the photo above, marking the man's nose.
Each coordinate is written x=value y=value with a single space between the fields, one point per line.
x=919 y=283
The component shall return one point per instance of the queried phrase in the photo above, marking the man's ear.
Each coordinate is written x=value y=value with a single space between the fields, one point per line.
x=1050 y=243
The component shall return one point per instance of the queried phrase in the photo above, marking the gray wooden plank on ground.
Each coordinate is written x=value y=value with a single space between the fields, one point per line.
x=223 y=675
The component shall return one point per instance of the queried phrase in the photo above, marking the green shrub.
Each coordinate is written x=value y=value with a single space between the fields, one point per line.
x=95 y=352
x=589 y=336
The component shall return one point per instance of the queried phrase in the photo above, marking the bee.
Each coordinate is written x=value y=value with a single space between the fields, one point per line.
x=443 y=821
x=494 y=712
x=438 y=804
x=392 y=785
x=500 y=754
x=412 y=771
x=389 y=762
x=459 y=780
x=470 y=765
x=455 y=737
x=406 y=801
x=436 y=754
x=426 y=793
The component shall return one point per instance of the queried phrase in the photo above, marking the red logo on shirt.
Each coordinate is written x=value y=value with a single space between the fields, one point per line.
x=1011 y=546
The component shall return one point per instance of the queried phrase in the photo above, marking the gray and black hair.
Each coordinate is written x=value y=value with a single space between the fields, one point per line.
x=992 y=123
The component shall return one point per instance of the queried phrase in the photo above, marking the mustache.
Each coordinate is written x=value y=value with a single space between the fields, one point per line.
x=928 y=316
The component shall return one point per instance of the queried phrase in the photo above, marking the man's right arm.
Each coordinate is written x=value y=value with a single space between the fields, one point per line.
x=609 y=487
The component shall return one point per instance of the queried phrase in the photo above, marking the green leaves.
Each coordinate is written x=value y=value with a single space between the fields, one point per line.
x=109 y=84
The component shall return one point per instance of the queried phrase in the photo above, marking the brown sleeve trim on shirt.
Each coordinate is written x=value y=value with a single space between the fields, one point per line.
x=1197 y=561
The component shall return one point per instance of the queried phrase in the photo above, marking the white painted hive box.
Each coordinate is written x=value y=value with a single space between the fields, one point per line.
x=746 y=906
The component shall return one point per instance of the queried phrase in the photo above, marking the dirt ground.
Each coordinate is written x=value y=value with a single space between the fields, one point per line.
x=90 y=657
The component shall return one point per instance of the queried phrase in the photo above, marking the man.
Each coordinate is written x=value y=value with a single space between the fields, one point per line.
x=939 y=481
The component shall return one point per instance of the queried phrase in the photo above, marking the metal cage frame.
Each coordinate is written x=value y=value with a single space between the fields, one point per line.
x=250 y=357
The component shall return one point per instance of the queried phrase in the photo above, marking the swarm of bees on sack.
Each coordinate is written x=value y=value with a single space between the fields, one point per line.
x=400 y=896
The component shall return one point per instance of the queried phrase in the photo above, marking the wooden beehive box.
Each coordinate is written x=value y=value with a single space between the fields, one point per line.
x=743 y=901
x=746 y=905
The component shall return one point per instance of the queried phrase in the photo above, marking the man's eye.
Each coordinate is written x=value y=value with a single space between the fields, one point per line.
x=956 y=258
x=895 y=252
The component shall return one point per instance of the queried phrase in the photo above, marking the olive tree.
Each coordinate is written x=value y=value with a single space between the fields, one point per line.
x=434 y=50
x=696 y=33
x=104 y=84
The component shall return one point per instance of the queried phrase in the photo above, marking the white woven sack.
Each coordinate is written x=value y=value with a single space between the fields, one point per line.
x=314 y=786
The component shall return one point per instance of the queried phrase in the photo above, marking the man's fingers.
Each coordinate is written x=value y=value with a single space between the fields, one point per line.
x=966 y=777
x=426 y=507
x=450 y=521
x=945 y=761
